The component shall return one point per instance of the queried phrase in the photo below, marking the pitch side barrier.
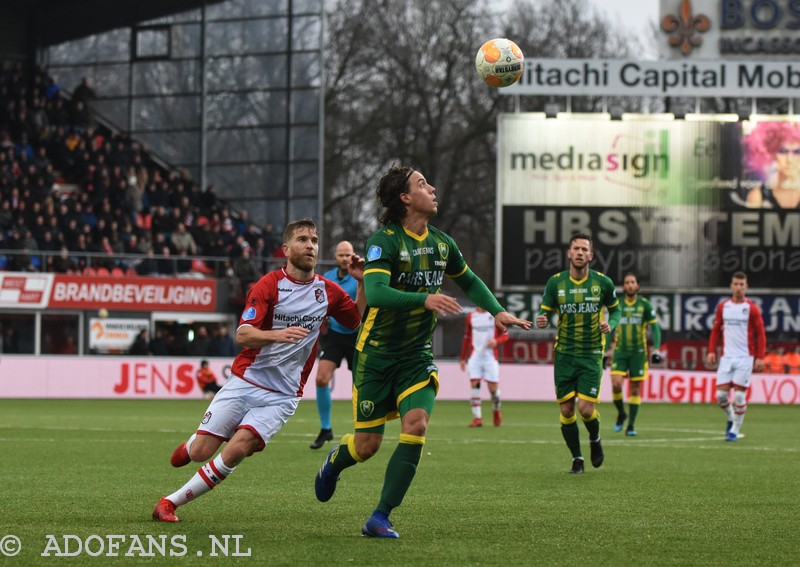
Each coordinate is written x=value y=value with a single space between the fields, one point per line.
x=116 y=377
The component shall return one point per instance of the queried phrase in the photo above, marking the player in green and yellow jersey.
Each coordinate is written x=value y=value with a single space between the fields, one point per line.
x=394 y=373
x=578 y=296
x=630 y=351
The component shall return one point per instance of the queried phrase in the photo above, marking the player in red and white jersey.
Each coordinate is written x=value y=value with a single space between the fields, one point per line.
x=279 y=329
x=480 y=357
x=738 y=321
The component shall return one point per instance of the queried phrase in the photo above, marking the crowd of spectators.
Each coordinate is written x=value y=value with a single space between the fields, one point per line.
x=172 y=339
x=126 y=215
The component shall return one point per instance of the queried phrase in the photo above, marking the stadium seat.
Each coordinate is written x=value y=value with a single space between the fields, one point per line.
x=117 y=272
x=103 y=271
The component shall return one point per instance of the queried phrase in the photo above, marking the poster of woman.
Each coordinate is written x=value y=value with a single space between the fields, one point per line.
x=771 y=154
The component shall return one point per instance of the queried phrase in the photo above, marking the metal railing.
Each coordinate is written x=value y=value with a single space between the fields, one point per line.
x=90 y=263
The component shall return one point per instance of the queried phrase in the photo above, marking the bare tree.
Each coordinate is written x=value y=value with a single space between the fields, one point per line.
x=569 y=29
x=401 y=87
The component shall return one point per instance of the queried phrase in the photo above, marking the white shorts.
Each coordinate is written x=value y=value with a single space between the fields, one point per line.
x=483 y=368
x=240 y=405
x=735 y=369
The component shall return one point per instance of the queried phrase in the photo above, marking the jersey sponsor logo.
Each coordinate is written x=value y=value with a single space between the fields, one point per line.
x=319 y=295
x=422 y=250
x=249 y=314
x=285 y=289
x=577 y=308
x=309 y=322
x=443 y=250
x=404 y=256
x=427 y=278
x=366 y=407
x=374 y=253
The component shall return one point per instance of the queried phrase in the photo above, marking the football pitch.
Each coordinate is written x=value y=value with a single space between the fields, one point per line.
x=81 y=479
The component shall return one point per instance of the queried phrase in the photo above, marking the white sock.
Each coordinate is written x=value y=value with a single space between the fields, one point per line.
x=496 y=400
x=724 y=403
x=475 y=402
x=206 y=478
x=739 y=409
x=189 y=443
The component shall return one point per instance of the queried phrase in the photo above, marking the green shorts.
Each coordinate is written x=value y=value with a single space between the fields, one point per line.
x=632 y=364
x=385 y=388
x=578 y=375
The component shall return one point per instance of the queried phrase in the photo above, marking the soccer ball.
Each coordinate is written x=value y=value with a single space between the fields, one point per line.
x=499 y=62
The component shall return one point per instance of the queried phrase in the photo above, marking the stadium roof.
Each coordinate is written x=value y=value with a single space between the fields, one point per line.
x=40 y=23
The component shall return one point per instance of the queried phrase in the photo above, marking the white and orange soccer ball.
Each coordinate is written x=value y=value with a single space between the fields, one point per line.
x=499 y=62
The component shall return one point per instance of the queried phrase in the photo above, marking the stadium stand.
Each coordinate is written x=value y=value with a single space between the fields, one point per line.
x=78 y=197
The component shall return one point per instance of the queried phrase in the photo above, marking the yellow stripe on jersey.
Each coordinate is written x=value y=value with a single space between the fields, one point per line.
x=461 y=273
x=416 y=237
x=368 y=323
x=377 y=271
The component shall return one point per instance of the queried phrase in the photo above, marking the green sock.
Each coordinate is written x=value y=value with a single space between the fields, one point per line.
x=342 y=458
x=399 y=473
x=620 y=405
x=593 y=427
x=572 y=437
x=633 y=409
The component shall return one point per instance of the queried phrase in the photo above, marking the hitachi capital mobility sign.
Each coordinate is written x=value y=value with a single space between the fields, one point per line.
x=604 y=77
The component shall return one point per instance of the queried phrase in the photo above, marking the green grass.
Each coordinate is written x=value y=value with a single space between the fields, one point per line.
x=676 y=495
